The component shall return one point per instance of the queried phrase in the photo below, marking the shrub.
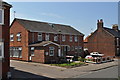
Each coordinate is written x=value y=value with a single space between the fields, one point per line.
x=81 y=59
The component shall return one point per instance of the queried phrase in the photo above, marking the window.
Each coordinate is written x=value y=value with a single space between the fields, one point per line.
x=39 y=36
x=11 y=37
x=51 y=51
x=47 y=37
x=1 y=16
x=72 y=48
x=71 y=38
x=19 y=36
x=68 y=48
x=1 y=50
x=63 y=37
x=56 y=38
x=32 y=51
x=65 y=48
x=75 y=38
x=76 y=48
x=117 y=41
x=79 y=49
x=16 y=52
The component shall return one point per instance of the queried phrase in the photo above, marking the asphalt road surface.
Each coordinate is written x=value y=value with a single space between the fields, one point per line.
x=111 y=72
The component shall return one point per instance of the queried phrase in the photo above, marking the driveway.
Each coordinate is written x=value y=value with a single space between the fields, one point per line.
x=22 y=69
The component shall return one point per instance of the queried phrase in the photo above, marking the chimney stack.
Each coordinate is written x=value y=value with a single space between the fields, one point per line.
x=115 y=27
x=100 y=24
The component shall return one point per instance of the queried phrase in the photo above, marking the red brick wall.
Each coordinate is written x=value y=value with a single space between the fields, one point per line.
x=49 y=58
x=15 y=28
x=38 y=56
x=5 y=37
x=67 y=42
x=103 y=42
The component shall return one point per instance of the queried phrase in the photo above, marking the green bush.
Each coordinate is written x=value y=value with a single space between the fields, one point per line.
x=81 y=59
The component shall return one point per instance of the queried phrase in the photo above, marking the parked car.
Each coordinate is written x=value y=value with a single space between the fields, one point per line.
x=96 y=54
x=89 y=57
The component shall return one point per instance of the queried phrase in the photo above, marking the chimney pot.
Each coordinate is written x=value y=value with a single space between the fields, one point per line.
x=100 y=23
x=115 y=27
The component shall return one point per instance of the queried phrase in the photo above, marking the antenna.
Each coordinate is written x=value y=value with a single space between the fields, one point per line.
x=14 y=14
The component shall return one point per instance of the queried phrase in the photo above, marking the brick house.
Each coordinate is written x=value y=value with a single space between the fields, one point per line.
x=4 y=39
x=42 y=41
x=104 y=40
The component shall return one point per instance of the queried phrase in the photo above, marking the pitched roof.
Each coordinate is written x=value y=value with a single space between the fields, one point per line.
x=36 y=26
x=113 y=32
x=6 y=4
x=44 y=43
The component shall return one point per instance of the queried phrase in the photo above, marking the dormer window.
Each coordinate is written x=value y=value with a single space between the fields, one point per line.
x=47 y=37
x=18 y=36
x=1 y=16
x=39 y=36
x=11 y=37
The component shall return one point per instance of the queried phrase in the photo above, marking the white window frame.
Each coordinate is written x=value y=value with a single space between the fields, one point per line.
x=39 y=37
x=117 y=41
x=51 y=48
x=11 y=37
x=2 y=17
x=55 y=37
x=18 y=36
x=71 y=38
x=2 y=52
x=63 y=38
x=76 y=38
x=47 y=37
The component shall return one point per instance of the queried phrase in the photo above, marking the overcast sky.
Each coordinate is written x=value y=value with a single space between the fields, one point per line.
x=82 y=16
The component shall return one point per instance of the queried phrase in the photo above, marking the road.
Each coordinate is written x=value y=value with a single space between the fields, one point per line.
x=111 y=72
x=22 y=69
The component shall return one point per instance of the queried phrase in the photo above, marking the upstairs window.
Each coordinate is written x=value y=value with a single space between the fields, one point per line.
x=18 y=36
x=63 y=38
x=1 y=16
x=75 y=38
x=39 y=36
x=56 y=38
x=47 y=37
x=71 y=38
x=11 y=37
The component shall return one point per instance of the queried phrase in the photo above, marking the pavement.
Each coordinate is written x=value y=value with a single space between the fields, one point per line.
x=47 y=71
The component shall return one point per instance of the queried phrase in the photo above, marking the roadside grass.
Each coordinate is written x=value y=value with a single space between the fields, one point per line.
x=69 y=65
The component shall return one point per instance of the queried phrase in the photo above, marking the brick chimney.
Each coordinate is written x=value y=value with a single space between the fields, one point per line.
x=100 y=24
x=115 y=27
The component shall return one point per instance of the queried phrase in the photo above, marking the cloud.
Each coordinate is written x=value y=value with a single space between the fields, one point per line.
x=52 y=15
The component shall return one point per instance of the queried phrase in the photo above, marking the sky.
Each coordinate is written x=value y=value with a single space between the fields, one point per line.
x=82 y=16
